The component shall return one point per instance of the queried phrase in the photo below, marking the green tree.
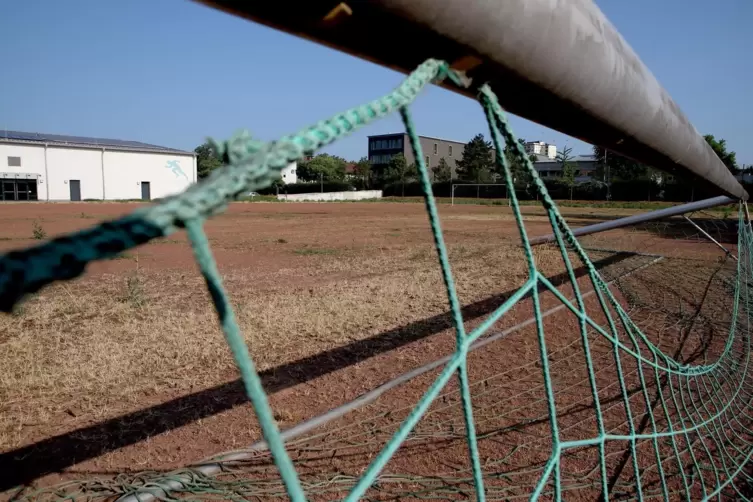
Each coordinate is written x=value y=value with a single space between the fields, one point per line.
x=207 y=160
x=611 y=166
x=564 y=159
x=518 y=169
x=476 y=163
x=362 y=170
x=323 y=166
x=719 y=146
x=442 y=171
x=399 y=171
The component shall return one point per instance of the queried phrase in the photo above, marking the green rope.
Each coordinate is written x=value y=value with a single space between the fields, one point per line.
x=701 y=414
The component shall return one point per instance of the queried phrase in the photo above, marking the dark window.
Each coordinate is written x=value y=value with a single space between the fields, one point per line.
x=436 y=148
x=14 y=161
x=18 y=189
x=450 y=149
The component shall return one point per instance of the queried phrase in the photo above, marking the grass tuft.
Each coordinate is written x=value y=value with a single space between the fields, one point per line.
x=37 y=231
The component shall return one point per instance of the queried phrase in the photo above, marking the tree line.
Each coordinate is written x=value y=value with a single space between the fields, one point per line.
x=476 y=165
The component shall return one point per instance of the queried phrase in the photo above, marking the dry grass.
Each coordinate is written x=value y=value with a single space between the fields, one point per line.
x=141 y=330
x=102 y=345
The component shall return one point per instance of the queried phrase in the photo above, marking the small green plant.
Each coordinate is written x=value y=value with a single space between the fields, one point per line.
x=727 y=211
x=37 y=231
x=135 y=295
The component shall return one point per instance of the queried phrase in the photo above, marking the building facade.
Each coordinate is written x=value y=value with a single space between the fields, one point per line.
x=50 y=167
x=541 y=148
x=383 y=147
x=585 y=165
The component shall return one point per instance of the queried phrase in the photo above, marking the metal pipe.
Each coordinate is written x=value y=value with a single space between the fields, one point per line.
x=641 y=218
x=46 y=174
x=560 y=63
x=213 y=466
x=102 y=166
x=706 y=234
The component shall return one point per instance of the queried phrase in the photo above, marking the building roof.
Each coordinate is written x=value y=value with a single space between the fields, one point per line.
x=543 y=159
x=420 y=136
x=83 y=142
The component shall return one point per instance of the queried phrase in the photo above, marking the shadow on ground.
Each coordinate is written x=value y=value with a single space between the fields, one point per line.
x=24 y=465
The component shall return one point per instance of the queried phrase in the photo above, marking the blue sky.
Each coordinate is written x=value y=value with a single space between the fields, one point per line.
x=173 y=72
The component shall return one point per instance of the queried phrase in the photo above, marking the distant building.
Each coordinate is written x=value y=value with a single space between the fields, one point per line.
x=383 y=147
x=289 y=173
x=38 y=166
x=585 y=167
x=541 y=148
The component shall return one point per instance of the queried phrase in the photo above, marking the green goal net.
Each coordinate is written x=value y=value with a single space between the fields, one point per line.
x=609 y=413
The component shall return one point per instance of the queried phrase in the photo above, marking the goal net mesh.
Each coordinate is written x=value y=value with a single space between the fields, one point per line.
x=630 y=380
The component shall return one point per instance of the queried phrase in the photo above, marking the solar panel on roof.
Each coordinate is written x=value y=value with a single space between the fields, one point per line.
x=81 y=140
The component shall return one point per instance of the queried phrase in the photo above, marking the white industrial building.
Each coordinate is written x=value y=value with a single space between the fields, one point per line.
x=51 y=167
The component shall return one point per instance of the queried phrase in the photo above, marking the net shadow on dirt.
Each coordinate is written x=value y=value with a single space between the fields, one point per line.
x=23 y=465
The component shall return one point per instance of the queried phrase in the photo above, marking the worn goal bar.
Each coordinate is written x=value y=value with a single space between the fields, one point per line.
x=478 y=186
x=559 y=63
x=642 y=218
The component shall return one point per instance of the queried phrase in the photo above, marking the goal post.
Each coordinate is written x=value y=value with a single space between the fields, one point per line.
x=561 y=64
x=478 y=187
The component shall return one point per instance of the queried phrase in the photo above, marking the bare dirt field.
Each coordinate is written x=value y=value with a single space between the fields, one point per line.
x=125 y=369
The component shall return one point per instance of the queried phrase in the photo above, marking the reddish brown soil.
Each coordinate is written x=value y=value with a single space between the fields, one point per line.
x=249 y=237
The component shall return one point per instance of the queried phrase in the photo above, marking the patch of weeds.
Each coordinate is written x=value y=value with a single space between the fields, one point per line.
x=135 y=295
x=393 y=234
x=135 y=291
x=282 y=241
x=122 y=256
x=85 y=216
x=283 y=416
x=6 y=238
x=37 y=231
x=419 y=255
x=18 y=311
x=314 y=251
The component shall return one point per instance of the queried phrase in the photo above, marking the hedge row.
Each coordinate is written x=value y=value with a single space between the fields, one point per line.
x=636 y=190
x=294 y=188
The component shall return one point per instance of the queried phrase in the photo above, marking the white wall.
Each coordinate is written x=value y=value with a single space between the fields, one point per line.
x=65 y=164
x=32 y=162
x=167 y=174
x=331 y=196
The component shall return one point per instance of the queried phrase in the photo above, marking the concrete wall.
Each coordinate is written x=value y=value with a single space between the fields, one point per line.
x=167 y=174
x=332 y=196
x=32 y=162
x=102 y=173
x=65 y=164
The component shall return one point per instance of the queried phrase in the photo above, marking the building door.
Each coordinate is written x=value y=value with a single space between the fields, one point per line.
x=9 y=189
x=146 y=193
x=75 y=189
x=18 y=189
